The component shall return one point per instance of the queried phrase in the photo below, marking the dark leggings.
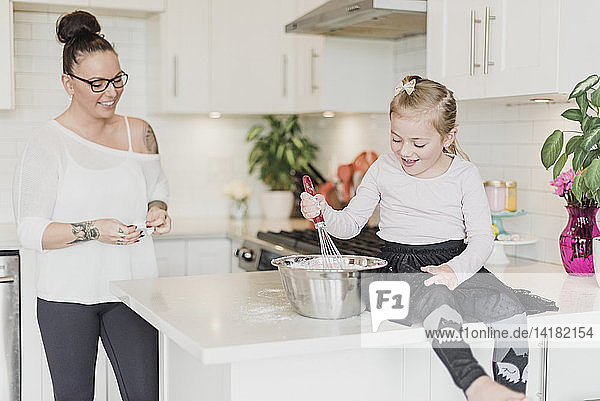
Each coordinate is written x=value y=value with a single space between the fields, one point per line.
x=70 y=335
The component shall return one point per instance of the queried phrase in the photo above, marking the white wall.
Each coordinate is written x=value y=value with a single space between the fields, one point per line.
x=201 y=155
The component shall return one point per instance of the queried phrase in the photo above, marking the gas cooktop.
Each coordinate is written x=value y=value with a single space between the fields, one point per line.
x=367 y=243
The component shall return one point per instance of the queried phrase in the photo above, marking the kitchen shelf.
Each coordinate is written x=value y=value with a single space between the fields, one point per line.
x=497 y=218
x=498 y=255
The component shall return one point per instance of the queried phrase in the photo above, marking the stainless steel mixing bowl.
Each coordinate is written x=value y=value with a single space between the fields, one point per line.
x=325 y=293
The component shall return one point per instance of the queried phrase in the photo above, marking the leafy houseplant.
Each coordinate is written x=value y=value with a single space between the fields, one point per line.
x=277 y=152
x=579 y=186
x=584 y=146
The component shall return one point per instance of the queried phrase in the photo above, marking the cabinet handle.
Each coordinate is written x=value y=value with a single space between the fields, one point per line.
x=472 y=64
x=313 y=61
x=284 y=67
x=542 y=394
x=486 y=40
x=175 y=74
x=7 y=279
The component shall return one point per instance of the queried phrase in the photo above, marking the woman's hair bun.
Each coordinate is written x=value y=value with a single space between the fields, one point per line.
x=77 y=23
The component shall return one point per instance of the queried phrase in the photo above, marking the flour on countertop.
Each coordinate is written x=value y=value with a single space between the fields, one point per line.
x=270 y=305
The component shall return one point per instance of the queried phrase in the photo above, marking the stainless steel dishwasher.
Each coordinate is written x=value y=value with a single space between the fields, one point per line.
x=10 y=327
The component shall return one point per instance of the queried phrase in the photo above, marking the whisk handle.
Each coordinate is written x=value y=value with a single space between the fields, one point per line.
x=310 y=189
x=308 y=185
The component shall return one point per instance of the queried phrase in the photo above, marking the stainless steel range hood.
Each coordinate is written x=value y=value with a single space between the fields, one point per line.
x=377 y=19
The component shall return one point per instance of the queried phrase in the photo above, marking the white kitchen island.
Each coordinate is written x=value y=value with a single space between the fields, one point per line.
x=235 y=337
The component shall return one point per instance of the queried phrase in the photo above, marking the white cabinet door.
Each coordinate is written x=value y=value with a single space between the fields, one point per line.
x=442 y=388
x=187 y=257
x=308 y=50
x=178 y=67
x=344 y=74
x=170 y=257
x=573 y=372
x=6 y=56
x=76 y=3
x=141 y=5
x=208 y=256
x=499 y=48
x=523 y=47
x=251 y=57
x=455 y=45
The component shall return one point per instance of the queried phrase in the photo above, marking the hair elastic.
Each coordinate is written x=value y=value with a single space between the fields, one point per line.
x=408 y=87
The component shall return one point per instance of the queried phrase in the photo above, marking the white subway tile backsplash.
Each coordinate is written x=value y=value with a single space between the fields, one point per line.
x=489 y=172
x=45 y=32
x=31 y=17
x=529 y=155
x=536 y=251
x=37 y=81
x=37 y=48
x=552 y=251
x=539 y=111
x=518 y=224
x=555 y=205
x=543 y=128
x=520 y=175
x=503 y=112
x=545 y=226
x=22 y=31
x=540 y=179
x=510 y=156
x=475 y=110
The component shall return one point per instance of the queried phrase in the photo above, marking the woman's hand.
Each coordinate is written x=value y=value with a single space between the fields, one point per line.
x=159 y=219
x=111 y=231
x=442 y=274
x=312 y=206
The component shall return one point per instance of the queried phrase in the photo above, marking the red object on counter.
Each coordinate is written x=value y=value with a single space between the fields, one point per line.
x=359 y=166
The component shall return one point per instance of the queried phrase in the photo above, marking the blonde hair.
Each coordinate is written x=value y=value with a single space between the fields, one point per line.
x=430 y=100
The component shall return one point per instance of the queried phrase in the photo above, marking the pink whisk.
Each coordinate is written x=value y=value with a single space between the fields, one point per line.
x=332 y=259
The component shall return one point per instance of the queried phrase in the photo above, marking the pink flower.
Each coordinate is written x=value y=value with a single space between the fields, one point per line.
x=559 y=191
x=564 y=182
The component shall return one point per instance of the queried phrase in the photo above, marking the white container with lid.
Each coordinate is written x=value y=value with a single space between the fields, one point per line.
x=496 y=194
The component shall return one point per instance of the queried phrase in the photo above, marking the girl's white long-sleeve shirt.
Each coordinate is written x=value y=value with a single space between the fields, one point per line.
x=417 y=211
x=65 y=178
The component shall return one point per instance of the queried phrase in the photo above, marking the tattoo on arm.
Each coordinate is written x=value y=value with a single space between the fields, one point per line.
x=84 y=231
x=150 y=140
x=159 y=204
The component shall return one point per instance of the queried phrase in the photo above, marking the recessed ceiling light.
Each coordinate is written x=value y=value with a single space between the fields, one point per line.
x=328 y=114
x=542 y=100
x=214 y=114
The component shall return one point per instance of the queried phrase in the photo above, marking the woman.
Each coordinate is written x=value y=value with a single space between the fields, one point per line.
x=88 y=188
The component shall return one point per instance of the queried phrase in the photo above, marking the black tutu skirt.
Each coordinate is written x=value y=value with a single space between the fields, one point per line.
x=481 y=298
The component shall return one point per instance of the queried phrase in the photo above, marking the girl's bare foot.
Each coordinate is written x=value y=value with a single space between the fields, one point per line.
x=485 y=389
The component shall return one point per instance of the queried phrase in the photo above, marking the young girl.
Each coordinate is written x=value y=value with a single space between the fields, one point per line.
x=435 y=219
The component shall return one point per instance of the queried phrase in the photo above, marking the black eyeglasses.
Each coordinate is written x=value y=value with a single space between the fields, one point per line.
x=100 y=85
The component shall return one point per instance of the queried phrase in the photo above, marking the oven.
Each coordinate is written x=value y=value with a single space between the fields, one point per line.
x=256 y=253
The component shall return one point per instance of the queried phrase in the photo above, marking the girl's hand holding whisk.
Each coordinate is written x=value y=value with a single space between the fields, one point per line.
x=442 y=274
x=312 y=206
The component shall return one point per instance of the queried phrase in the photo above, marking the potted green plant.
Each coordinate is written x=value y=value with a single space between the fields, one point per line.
x=580 y=185
x=275 y=153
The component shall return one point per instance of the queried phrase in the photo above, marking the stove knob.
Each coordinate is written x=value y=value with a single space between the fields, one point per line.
x=245 y=254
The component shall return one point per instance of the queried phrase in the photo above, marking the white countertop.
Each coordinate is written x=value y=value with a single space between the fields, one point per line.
x=234 y=317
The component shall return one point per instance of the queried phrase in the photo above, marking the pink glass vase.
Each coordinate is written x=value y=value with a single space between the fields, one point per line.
x=576 y=240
